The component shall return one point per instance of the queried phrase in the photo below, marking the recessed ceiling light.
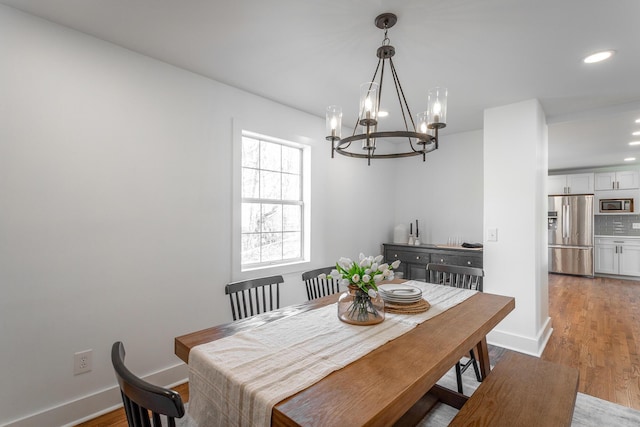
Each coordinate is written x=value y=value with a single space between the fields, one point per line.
x=636 y=133
x=383 y=113
x=629 y=159
x=637 y=120
x=598 y=56
x=634 y=143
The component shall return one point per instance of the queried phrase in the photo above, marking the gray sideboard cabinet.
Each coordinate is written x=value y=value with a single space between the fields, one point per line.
x=414 y=259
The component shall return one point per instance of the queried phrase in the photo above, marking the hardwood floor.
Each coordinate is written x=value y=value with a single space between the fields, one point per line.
x=596 y=328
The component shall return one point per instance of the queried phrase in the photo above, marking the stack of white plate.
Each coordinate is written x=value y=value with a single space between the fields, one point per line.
x=400 y=293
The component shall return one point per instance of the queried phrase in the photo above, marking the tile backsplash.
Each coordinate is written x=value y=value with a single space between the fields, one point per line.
x=616 y=225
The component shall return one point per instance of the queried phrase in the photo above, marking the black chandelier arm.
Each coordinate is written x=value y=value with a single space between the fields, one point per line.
x=386 y=156
x=425 y=139
x=388 y=134
x=381 y=81
x=402 y=100
x=380 y=156
x=411 y=143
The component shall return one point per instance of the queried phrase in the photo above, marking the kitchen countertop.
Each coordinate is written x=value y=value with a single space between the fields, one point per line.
x=439 y=246
x=617 y=237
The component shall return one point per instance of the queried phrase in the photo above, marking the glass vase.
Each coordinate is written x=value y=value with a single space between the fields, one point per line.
x=358 y=308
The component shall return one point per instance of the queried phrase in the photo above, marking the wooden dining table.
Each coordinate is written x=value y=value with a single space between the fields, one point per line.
x=387 y=385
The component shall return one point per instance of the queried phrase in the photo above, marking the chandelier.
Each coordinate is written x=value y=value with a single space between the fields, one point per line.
x=421 y=133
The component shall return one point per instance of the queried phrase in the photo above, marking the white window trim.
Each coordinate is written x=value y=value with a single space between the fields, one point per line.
x=285 y=268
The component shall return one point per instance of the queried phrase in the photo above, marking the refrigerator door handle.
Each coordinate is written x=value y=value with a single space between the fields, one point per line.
x=565 y=221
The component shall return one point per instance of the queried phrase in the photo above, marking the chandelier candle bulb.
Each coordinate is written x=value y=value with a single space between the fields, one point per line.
x=423 y=122
x=334 y=122
x=437 y=107
x=368 y=103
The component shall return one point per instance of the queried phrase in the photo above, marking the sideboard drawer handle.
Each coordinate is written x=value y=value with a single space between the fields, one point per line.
x=468 y=262
x=441 y=259
x=417 y=257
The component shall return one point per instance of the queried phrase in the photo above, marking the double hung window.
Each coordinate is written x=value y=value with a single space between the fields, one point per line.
x=272 y=202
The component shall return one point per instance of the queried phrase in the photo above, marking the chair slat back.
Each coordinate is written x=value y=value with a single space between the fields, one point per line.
x=317 y=287
x=254 y=296
x=140 y=397
x=455 y=275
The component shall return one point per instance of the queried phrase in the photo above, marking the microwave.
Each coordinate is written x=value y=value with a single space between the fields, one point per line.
x=616 y=205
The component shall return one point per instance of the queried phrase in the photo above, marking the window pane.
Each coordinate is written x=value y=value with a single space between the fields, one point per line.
x=271 y=230
x=251 y=218
x=270 y=185
x=250 y=183
x=271 y=247
x=250 y=152
x=291 y=218
x=291 y=247
x=291 y=159
x=290 y=187
x=271 y=218
x=270 y=156
x=250 y=248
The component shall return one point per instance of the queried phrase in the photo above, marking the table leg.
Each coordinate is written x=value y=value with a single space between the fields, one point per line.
x=482 y=351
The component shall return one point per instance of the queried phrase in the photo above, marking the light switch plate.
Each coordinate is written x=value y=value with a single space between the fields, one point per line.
x=492 y=235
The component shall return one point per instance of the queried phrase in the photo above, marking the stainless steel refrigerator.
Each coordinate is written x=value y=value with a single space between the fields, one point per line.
x=571 y=234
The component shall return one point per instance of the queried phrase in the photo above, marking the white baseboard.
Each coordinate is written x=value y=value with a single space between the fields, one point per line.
x=94 y=405
x=533 y=346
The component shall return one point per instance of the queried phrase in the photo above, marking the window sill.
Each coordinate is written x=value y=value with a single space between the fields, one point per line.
x=268 y=270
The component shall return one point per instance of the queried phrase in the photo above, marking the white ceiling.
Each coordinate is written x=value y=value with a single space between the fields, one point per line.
x=310 y=54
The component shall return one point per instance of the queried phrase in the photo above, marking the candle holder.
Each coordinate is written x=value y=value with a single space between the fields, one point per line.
x=437 y=108
x=334 y=126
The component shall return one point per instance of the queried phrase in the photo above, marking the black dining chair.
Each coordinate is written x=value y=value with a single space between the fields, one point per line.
x=458 y=277
x=145 y=404
x=254 y=296
x=317 y=287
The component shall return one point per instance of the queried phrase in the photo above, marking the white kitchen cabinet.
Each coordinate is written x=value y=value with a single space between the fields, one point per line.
x=580 y=183
x=606 y=261
x=621 y=180
x=617 y=256
x=629 y=257
x=556 y=184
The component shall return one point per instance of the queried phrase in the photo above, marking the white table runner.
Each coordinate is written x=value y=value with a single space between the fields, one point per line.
x=236 y=381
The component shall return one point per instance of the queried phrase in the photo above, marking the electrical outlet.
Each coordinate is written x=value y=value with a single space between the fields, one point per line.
x=492 y=235
x=82 y=362
x=635 y=225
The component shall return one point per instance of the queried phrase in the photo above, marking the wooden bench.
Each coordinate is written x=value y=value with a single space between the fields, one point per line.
x=522 y=391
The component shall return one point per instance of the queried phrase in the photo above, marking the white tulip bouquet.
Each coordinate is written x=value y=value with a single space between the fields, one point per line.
x=364 y=276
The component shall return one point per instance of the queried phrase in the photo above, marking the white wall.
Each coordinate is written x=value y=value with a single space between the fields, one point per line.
x=445 y=193
x=515 y=171
x=115 y=211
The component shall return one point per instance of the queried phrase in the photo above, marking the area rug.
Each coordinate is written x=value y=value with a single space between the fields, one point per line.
x=589 y=411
